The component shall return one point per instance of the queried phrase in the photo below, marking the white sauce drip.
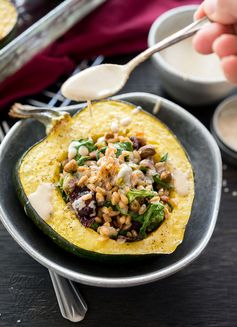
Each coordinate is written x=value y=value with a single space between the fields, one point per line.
x=181 y=182
x=136 y=110
x=227 y=125
x=186 y=61
x=41 y=200
x=96 y=82
x=126 y=121
x=156 y=107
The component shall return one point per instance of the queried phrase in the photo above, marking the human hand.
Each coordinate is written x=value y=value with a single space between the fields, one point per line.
x=220 y=36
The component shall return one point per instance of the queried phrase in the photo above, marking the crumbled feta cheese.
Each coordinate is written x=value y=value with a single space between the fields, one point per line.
x=72 y=152
x=83 y=151
x=125 y=174
x=79 y=204
x=72 y=149
x=126 y=121
x=92 y=205
x=100 y=139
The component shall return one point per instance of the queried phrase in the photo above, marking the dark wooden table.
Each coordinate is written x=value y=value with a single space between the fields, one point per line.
x=203 y=294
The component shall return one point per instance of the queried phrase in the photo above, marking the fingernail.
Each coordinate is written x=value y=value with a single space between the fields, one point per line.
x=210 y=6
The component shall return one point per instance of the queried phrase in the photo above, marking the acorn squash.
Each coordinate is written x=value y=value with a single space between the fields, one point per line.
x=42 y=163
x=8 y=20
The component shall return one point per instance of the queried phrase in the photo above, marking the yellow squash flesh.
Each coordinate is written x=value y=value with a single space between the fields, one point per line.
x=8 y=18
x=41 y=165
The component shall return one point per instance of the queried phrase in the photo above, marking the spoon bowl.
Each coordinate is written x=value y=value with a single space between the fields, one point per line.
x=102 y=81
x=97 y=82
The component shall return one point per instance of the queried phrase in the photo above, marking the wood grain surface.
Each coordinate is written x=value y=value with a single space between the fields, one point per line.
x=203 y=294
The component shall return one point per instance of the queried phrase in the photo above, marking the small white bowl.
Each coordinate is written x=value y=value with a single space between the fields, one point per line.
x=229 y=153
x=192 y=90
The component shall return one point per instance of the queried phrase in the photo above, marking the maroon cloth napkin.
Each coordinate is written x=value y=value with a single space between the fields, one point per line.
x=116 y=27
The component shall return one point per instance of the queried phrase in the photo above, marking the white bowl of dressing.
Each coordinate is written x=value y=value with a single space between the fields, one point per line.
x=224 y=128
x=189 y=77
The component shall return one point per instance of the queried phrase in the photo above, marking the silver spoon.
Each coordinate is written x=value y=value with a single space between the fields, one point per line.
x=102 y=81
x=70 y=301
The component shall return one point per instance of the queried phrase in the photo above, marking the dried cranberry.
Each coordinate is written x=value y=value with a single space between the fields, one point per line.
x=136 y=226
x=88 y=211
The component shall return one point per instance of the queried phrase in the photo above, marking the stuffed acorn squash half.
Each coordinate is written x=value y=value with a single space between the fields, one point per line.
x=117 y=183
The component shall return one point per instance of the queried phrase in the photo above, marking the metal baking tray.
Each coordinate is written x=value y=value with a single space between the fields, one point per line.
x=39 y=23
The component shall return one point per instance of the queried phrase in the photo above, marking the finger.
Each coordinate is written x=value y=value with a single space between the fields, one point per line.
x=204 y=39
x=225 y=45
x=222 y=11
x=229 y=66
x=199 y=13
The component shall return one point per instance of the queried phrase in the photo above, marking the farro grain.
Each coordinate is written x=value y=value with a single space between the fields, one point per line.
x=155 y=199
x=142 y=209
x=86 y=197
x=107 y=218
x=122 y=220
x=98 y=220
x=101 y=190
x=128 y=220
x=82 y=180
x=91 y=187
x=115 y=198
x=99 y=197
x=124 y=199
x=134 y=233
x=135 y=206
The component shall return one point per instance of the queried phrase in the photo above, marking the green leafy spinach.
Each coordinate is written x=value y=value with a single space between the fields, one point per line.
x=59 y=186
x=133 y=194
x=158 y=181
x=164 y=158
x=151 y=219
x=123 y=146
x=89 y=144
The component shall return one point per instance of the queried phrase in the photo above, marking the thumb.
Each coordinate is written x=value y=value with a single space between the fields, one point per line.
x=221 y=11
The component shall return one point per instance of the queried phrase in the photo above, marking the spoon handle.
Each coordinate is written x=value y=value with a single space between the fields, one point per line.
x=70 y=301
x=180 y=35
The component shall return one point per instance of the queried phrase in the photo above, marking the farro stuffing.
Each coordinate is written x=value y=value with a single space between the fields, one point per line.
x=117 y=186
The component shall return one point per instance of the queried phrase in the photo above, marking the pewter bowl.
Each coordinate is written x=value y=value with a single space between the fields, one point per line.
x=206 y=161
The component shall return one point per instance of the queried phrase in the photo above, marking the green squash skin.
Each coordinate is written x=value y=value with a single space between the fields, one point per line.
x=58 y=239
x=9 y=37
